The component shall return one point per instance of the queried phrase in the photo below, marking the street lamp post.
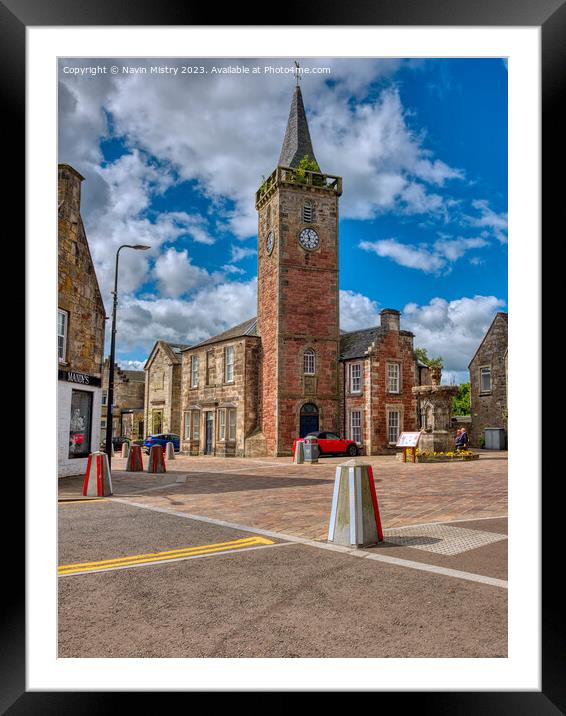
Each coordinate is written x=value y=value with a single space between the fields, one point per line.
x=110 y=396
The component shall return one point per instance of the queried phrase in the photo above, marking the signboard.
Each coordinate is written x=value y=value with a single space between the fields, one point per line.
x=73 y=376
x=407 y=440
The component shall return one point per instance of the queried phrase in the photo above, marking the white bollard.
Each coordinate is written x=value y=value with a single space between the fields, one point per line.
x=125 y=449
x=98 y=481
x=156 y=461
x=170 y=451
x=299 y=456
x=354 y=518
x=112 y=448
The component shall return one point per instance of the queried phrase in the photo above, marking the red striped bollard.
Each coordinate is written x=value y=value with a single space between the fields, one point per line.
x=135 y=461
x=98 y=481
x=156 y=461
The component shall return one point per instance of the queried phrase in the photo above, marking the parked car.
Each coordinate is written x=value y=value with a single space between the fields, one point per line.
x=117 y=442
x=331 y=444
x=162 y=439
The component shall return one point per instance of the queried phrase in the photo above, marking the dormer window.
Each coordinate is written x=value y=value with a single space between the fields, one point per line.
x=308 y=213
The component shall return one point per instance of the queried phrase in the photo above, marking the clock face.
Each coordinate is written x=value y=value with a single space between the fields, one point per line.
x=308 y=238
x=269 y=242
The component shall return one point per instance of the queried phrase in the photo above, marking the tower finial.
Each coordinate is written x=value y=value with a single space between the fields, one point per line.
x=297 y=72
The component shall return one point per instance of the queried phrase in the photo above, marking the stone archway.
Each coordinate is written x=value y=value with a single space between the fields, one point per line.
x=308 y=419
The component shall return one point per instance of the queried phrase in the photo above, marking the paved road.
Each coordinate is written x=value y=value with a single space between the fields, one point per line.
x=143 y=580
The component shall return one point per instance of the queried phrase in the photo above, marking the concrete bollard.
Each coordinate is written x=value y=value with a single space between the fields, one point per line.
x=112 y=449
x=156 y=461
x=170 y=451
x=98 y=481
x=125 y=449
x=354 y=518
x=135 y=460
x=299 y=456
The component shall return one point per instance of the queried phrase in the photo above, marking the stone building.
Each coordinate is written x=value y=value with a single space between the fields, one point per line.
x=80 y=333
x=129 y=393
x=220 y=392
x=378 y=371
x=488 y=381
x=162 y=402
x=254 y=388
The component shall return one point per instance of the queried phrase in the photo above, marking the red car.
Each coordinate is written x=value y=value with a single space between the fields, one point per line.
x=331 y=444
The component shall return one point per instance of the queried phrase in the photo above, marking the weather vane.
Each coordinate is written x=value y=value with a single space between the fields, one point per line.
x=297 y=73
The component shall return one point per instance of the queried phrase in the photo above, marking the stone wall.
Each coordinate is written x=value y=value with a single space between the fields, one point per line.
x=79 y=294
x=489 y=408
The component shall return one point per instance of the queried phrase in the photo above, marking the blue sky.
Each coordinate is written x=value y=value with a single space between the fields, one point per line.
x=174 y=160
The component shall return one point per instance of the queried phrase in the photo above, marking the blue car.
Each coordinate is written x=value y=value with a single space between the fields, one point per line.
x=162 y=439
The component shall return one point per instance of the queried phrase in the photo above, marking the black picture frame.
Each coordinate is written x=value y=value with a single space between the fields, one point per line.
x=550 y=16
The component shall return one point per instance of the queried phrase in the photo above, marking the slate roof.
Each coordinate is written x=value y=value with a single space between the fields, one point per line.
x=297 y=141
x=177 y=347
x=247 y=328
x=354 y=344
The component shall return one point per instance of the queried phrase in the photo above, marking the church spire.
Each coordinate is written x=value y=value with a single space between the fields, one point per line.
x=297 y=142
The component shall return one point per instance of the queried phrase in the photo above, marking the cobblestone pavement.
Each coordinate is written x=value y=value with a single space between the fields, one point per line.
x=274 y=494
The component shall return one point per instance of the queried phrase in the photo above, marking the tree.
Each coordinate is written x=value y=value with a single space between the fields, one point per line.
x=422 y=355
x=461 y=401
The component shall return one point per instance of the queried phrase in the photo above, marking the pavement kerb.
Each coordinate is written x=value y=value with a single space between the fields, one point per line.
x=357 y=552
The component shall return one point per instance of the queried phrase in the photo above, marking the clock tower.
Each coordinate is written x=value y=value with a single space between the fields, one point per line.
x=298 y=306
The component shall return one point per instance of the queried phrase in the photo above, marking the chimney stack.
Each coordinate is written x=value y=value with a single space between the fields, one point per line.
x=390 y=319
x=69 y=192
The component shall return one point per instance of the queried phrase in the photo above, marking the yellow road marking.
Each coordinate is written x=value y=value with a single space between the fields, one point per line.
x=74 y=502
x=161 y=556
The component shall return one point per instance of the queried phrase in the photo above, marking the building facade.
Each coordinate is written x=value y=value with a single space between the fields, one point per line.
x=254 y=388
x=128 y=412
x=220 y=390
x=162 y=402
x=80 y=333
x=488 y=381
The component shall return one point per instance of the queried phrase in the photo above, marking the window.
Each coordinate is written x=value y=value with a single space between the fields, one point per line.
x=485 y=379
x=309 y=362
x=393 y=421
x=232 y=424
x=62 y=324
x=196 y=424
x=355 y=378
x=103 y=424
x=187 y=433
x=356 y=425
x=79 y=427
x=229 y=364
x=104 y=397
x=222 y=424
x=393 y=377
x=194 y=371
x=209 y=367
x=307 y=212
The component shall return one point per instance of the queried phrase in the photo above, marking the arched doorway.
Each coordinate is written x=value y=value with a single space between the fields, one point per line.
x=308 y=419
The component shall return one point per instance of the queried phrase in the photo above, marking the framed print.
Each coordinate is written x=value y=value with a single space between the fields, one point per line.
x=214 y=182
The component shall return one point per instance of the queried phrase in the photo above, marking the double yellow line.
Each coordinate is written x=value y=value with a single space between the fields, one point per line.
x=81 y=567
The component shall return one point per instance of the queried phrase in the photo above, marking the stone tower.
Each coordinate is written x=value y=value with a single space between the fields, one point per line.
x=298 y=318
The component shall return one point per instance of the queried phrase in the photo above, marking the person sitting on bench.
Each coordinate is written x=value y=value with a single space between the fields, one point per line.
x=462 y=439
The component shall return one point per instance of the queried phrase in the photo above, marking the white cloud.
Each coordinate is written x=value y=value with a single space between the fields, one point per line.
x=416 y=257
x=241 y=252
x=209 y=311
x=451 y=329
x=176 y=275
x=495 y=223
x=357 y=311
x=131 y=364
x=435 y=259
